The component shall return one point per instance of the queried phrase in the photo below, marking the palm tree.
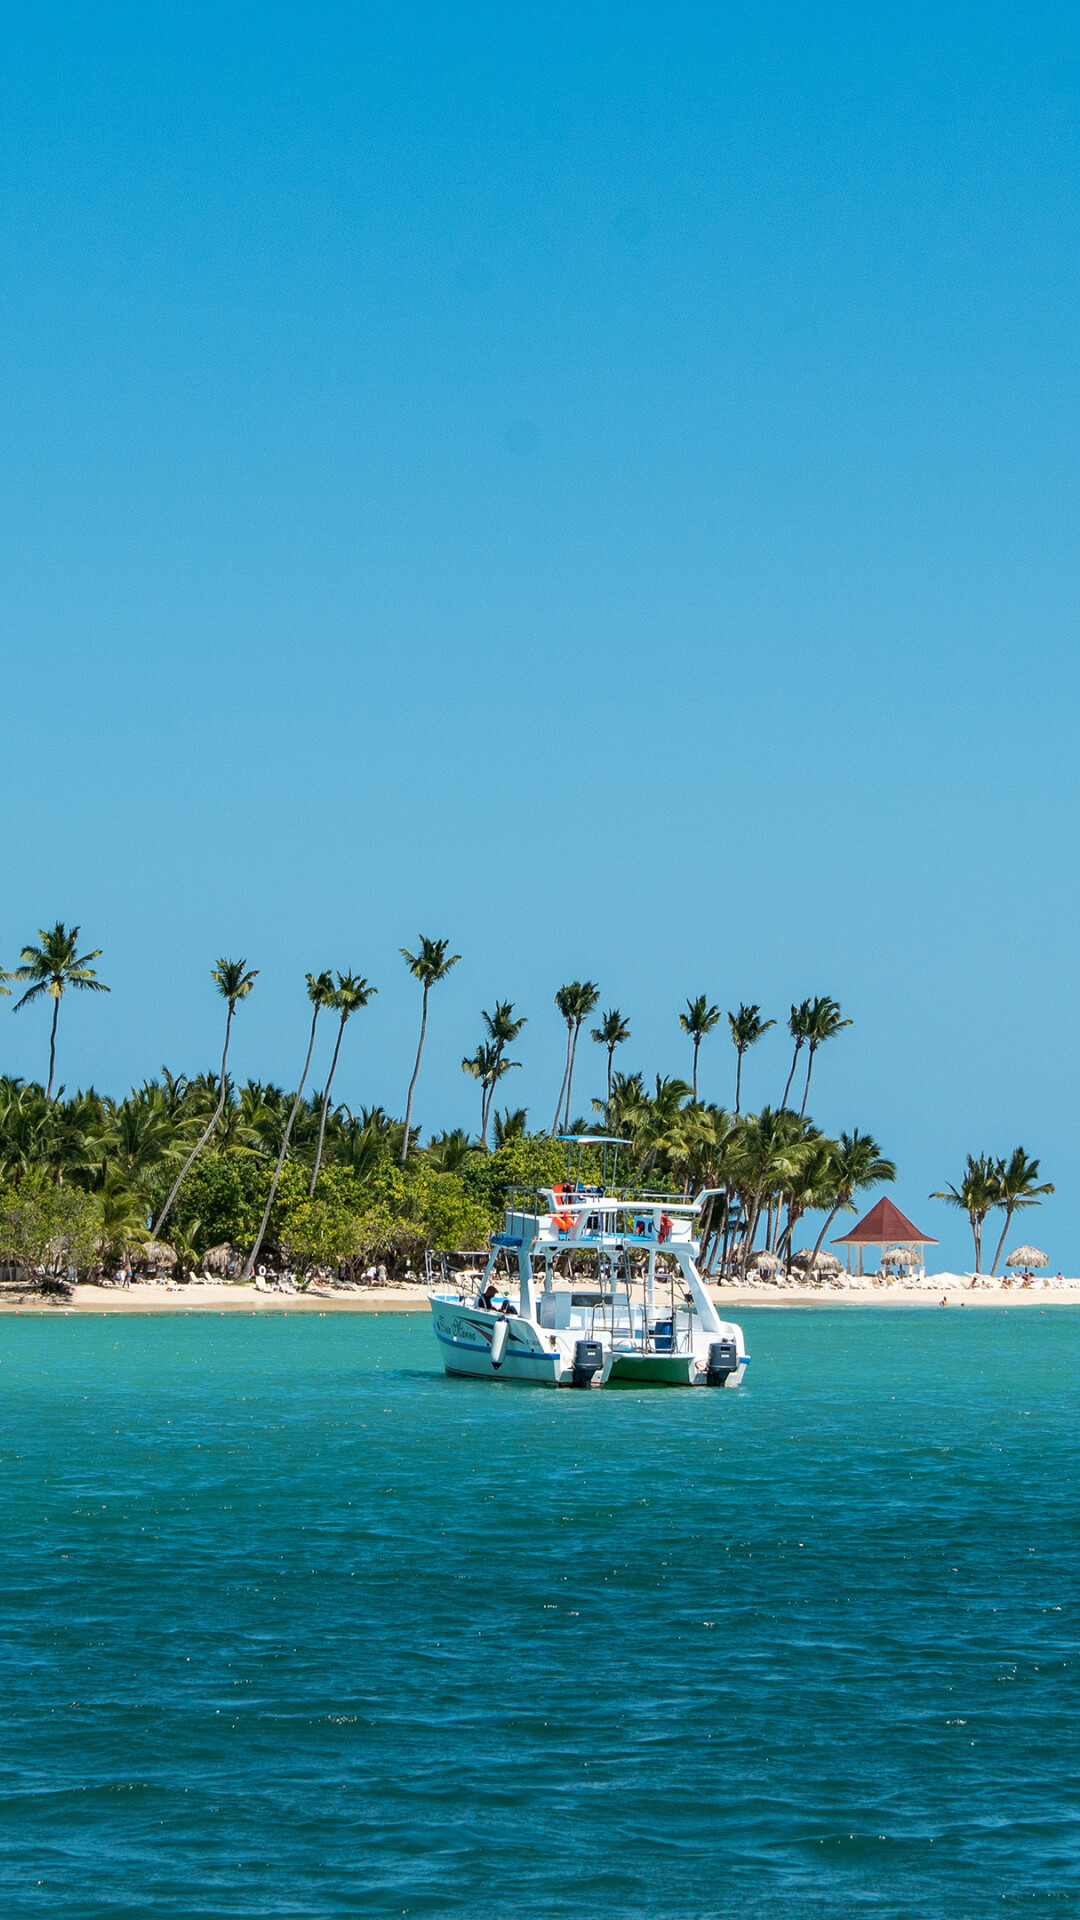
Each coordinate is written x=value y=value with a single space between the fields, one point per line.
x=503 y=1030
x=449 y=1152
x=746 y=1029
x=1016 y=1180
x=510 y=1126
x=979 y=1190
x=698 y=1020
x=822 y=1023
x=575 y=1002
x=856 y=1162
x=611 y=1033
x=768 y=1150
x=487 y=1065
x=799 y=1029
x=349 y=994
x=321 y=990
x=429 y=966
x=54 y=967
x=234 y=981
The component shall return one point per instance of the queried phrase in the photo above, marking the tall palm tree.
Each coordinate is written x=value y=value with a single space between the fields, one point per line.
x=857 y=1162
x=1017 y=1179
x=321 y=990
x=575 y=1002
x=823 y=1022
x=611 y=1033
x=799 y=1029
x=746 y=1029
x=430 y=965
x=349 y=994
x=234 y=981
x=698 y=1020
x=503 y=1030
x=978 y=1191
x=54 y=967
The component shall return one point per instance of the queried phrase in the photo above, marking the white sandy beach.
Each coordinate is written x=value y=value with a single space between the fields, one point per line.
x=221 y=1297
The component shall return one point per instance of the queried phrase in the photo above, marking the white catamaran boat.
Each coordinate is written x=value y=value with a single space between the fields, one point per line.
x=642 y=1316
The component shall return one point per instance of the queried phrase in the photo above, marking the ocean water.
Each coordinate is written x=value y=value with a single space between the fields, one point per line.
x=292 y=1625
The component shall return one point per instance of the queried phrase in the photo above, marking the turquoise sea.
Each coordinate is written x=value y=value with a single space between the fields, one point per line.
x=292 y=1625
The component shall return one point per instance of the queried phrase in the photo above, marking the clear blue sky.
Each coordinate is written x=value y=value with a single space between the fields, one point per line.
x=596 y=482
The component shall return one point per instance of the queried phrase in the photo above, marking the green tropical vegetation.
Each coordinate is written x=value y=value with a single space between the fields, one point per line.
x=228 y=1174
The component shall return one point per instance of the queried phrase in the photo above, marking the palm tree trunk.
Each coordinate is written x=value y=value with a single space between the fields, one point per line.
x=52 y=1047
x=697 y=1043
x=570 y=1074
x=790 y=1078
x=738 y=1082
x=254 y=1254
x=412 y=1082
x=812 y=1268
x=566 y=1075
x=751 y=1231
x=326 y=1106
x=610 y=1057
x=976 y=1234
x=203 y=1137
x=1009 y=1210
x=806 y=1089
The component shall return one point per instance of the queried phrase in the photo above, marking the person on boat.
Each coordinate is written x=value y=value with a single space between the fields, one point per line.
x=486 y=1295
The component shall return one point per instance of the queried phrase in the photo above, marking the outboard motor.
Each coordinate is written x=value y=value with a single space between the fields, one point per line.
x=723 y=1361
x=588 y=1360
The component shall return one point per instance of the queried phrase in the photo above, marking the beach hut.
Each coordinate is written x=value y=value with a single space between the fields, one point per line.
x=884 y=1226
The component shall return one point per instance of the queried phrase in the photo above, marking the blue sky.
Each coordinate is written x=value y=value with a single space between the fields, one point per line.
x=597 y=483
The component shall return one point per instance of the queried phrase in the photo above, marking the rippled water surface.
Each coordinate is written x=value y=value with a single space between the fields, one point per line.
x=292 y=1625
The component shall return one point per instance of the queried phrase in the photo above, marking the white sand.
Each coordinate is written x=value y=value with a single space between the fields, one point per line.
x=220 y=1297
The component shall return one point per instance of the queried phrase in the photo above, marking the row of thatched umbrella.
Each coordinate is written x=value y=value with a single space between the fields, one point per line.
x=822 y=1262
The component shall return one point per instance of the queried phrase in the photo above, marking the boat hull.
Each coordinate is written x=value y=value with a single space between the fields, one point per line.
x=465 y=1336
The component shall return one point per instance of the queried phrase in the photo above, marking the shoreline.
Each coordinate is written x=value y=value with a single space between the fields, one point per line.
x=220 y=1298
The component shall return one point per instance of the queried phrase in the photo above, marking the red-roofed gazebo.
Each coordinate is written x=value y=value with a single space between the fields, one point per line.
x=883 y=1226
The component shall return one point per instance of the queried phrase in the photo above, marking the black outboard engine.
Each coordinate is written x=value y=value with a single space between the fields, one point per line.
x=588 y=1360
x=723 y=1361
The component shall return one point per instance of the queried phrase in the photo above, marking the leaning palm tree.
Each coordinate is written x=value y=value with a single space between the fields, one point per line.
x=54 y=967
x=856 y=1162
x=978 y=1191
x=822 y=1023
x=746 y=1029
x=430 y=965
x=321 y=992
x=611 y=1033
x=234 y=981
x=575 y=1002
x=1017 y=1179
x=698 y=1020
x=799 y=1029
x=349 y=994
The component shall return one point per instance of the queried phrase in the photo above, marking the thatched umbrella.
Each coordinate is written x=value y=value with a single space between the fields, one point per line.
x=766 y=1262
x=1027 y=1257
x=153 y=1254
x=821 y=1262
x=216 y=1259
